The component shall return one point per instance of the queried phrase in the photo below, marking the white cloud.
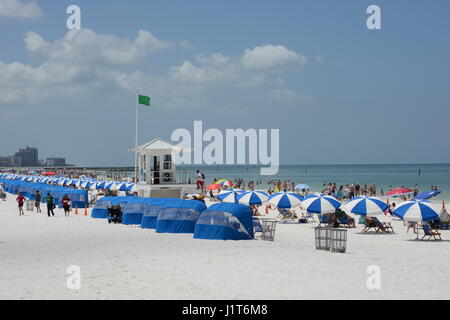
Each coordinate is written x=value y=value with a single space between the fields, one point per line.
x=20 y=9
x=84 y=63
x=85 y=46
x=216 y=69
x=287 y=95
x=80 y=62
x=271 y=57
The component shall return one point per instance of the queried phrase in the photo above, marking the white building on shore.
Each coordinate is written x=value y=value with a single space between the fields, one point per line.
x=157 y=176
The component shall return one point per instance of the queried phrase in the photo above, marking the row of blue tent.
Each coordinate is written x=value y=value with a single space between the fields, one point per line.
x=221 y=221
x=80 y=198
x=85 y=183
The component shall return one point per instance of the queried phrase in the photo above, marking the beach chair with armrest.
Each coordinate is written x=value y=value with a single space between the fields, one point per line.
x=370 y=224
x=257 y=228
x=430 y=233
x=286 y=215
x=323 y=220
x=383 y=226
x=345 y=222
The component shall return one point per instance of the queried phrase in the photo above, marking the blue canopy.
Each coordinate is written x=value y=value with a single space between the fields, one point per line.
x=225 y=221
x=427 y=194
x=179 y=216
x=152 y=208
x=100 y=210
x=133 y=210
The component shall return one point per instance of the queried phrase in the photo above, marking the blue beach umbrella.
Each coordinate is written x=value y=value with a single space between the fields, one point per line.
x=320 y=203
x=427 y=194
x=101 y=185
x=228 y=195
x=253 y=198
x=416 y=211
x=366 y=206
x=285 y=200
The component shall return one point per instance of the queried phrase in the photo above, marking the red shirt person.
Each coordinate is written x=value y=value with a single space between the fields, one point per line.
x=66 y=204
x=20 y=200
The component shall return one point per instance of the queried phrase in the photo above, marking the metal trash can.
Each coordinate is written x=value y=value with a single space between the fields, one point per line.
x=323 y=238
x=338 y=240
x=29 y=205
x=268 y=229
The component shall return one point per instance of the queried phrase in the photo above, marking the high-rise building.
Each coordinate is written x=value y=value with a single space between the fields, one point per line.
x=28 y=156
x=56 y=162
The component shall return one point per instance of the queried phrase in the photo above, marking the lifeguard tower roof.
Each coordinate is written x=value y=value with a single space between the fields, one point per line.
x=157 y=144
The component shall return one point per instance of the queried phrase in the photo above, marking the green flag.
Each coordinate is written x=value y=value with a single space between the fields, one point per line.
x=144 y=100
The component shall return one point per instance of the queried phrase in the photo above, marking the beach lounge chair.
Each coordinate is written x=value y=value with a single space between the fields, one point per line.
x=257 y=228
x=383 y=226
x=323 y=220
x=430 y=233
x=370 y=224
x=346 y=222
x=286 y=214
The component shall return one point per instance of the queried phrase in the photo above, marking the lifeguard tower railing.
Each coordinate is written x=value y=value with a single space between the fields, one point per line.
x=166 y=177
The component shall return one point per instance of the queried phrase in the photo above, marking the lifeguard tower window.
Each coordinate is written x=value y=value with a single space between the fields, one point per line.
x=154 y=167
x=167 y=162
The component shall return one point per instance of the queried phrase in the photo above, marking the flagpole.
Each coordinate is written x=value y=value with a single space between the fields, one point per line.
x=136 y=139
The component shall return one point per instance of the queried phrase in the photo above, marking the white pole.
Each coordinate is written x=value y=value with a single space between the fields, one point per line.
x=136 y=139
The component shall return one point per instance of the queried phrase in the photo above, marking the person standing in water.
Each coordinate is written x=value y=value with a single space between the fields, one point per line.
x=50 y=204
x=20 y=200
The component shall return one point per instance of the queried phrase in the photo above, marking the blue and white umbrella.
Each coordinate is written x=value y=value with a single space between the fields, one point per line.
x=427 y=194
x=366 y=206
x=302 y=186
x=228 y=195
x=285 y=200
x=253 y=198
x=416 y=211
x=101 y=185
x=320 y=203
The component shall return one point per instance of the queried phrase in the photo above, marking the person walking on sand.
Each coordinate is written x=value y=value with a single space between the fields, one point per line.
x=20 y=200
x=66 y=204
x=37 y=201
x=2 y=193
x=50 y=204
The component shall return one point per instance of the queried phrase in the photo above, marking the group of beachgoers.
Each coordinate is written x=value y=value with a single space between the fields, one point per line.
x=49 y=200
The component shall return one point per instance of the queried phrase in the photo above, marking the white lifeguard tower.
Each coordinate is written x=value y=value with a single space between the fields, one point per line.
x=156 y=172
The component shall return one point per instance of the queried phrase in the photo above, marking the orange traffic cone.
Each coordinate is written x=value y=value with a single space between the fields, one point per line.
x=76 y=210
x=85 y=211
x=443 y=204
x=267 y=209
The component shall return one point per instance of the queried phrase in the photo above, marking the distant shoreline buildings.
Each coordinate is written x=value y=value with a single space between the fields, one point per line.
x=28 y=157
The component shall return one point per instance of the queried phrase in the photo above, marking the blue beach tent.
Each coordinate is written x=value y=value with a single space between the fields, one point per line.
x=152 y=208
x=100 y=210
x=225 y=221
x=179 y=216
x=133 y=210
x=80 y=198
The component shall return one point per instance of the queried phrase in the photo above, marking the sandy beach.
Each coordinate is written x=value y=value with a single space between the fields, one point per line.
x=123 y=262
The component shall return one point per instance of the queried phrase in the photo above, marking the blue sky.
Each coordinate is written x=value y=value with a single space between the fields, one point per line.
x=338 y=92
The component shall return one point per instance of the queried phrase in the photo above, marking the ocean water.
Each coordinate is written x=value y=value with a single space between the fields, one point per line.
x=385 y=176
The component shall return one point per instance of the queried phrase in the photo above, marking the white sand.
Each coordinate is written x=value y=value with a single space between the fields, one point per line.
x=123 y=262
